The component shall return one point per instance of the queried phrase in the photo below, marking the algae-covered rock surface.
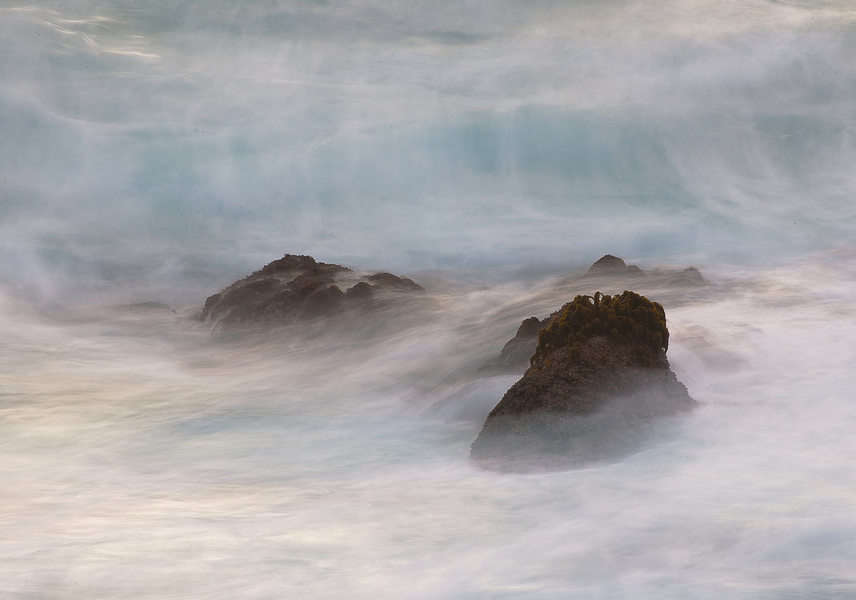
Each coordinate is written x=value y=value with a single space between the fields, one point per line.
x=608 y=271
x=598 y=377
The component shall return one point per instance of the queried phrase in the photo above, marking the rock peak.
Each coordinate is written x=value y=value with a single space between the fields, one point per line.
x=608 y=263
x=598 y=376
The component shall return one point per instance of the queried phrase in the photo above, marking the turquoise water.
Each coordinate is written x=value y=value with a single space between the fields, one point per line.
x=174 y=146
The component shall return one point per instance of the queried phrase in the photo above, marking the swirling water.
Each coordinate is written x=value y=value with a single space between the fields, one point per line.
x=142 y=459
x=160 y=151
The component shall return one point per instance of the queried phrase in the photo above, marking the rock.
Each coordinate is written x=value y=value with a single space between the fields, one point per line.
x=608 y=264
x=361 y=291
x=518 y=350
x=598 y=376
x=515 y=354
x=304 y=264
x=393 y=281
x=323 y=301
x=295 y=288
x=612 y=265
x=529 y=328
x=687 y=277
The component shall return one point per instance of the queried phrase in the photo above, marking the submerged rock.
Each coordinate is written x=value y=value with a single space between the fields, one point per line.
x=599 y=374
x=295 y=288
x=149 y=305
x=687 y=277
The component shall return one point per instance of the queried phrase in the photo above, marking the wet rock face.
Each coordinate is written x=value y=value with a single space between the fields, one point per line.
x=598 y=376
x=295 y=288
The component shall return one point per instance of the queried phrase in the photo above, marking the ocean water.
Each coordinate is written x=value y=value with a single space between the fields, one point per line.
x=156 y=153
x=144 y=459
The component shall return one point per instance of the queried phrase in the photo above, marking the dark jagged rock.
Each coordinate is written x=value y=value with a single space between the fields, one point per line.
x=299 y=288
x=598 y=376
